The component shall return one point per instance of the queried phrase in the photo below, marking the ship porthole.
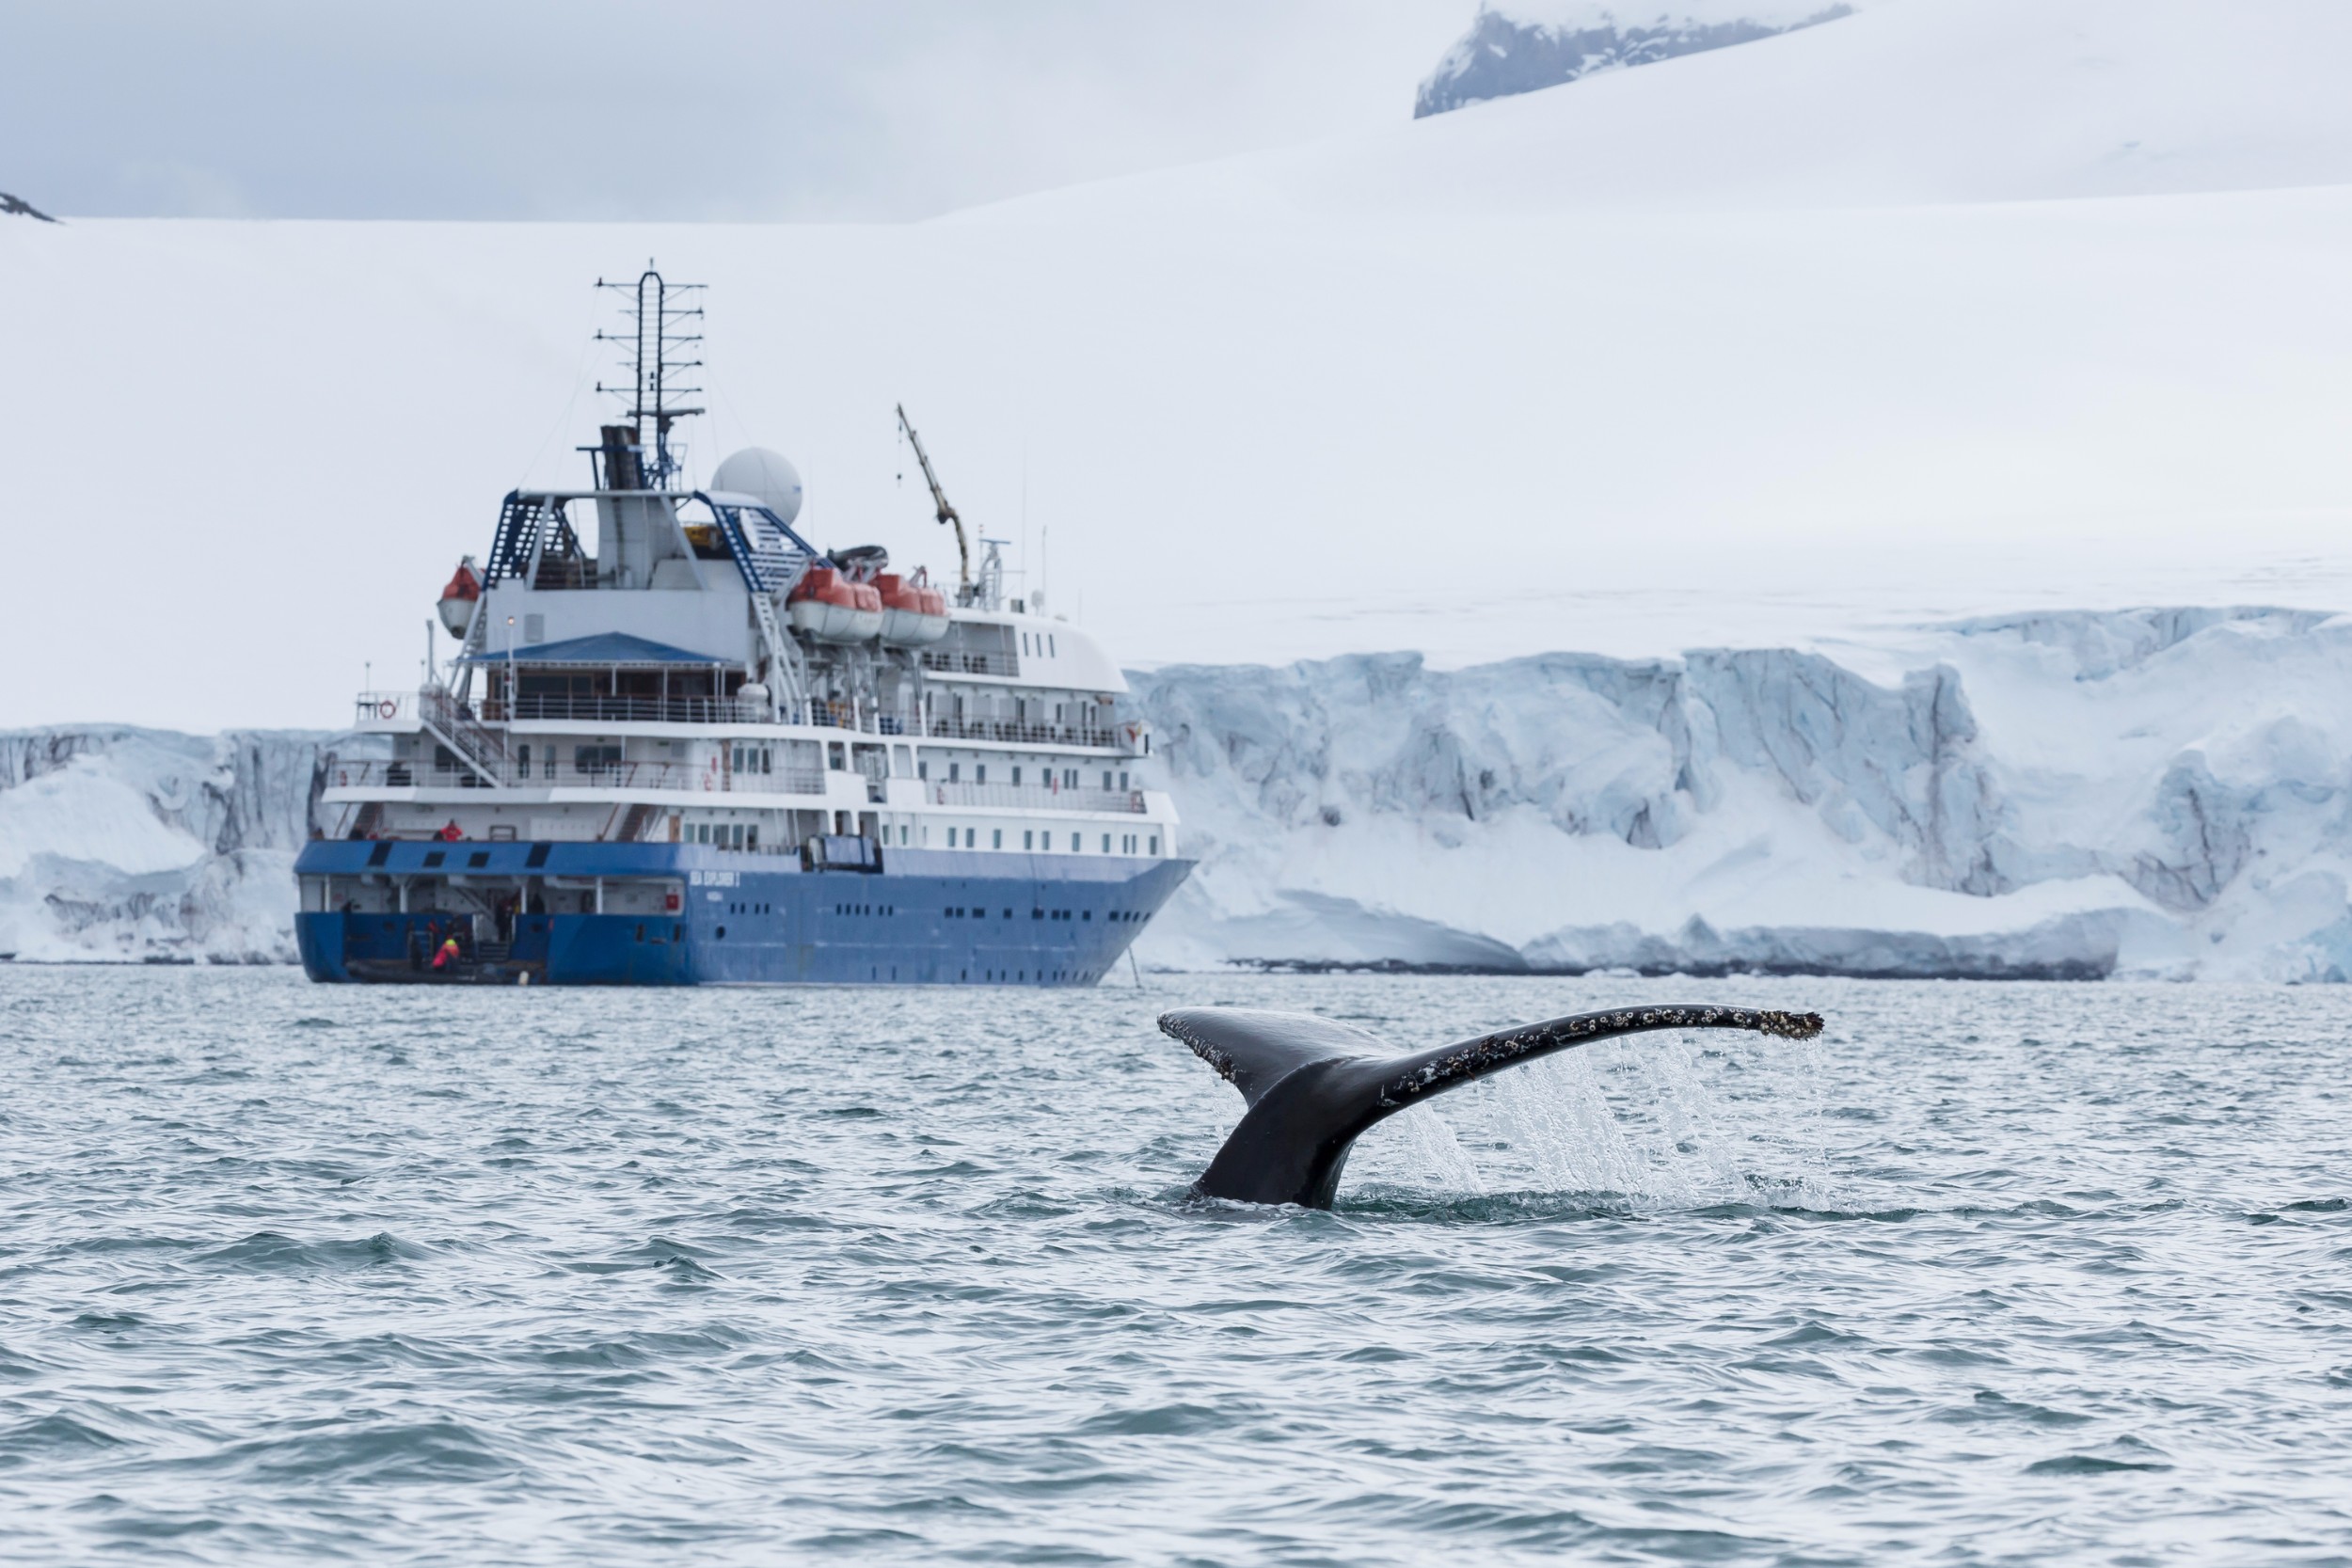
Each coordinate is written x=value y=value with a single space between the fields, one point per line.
x=723 y=933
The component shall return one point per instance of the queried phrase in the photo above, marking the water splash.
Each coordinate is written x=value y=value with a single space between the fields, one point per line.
x=1656 y=1125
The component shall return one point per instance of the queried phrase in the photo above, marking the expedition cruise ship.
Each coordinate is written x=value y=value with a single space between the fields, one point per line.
x=678 y=744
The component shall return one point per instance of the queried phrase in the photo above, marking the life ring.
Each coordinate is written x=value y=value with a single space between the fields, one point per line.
x=388 y=709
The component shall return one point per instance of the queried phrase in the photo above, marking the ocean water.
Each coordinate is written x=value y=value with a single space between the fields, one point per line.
x=1989 y=1274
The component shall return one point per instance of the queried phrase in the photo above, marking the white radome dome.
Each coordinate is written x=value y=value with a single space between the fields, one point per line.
x=768 y=475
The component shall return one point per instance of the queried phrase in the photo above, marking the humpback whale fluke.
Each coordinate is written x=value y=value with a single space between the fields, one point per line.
x=1314 y=1086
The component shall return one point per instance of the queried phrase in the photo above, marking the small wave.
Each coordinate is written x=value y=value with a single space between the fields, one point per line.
x=2089 y=1465
x=269 y=1251
x=1158 y=1420
x=387 y=1453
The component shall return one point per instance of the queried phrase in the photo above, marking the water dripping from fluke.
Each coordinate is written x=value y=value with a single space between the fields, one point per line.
x=1314 y=1086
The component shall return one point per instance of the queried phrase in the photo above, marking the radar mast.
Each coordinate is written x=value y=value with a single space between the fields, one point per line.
x=661 y=337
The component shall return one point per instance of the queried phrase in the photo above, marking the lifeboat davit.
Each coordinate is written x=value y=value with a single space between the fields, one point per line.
x=460 y=597
x=915 y=614
x=829 y=607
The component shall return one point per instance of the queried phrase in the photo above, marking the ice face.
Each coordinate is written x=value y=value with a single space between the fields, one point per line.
x=2146 y=792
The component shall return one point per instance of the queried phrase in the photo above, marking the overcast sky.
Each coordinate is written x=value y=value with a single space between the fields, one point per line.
x=687 y=109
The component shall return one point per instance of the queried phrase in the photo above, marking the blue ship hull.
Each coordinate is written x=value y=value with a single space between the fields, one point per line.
x=927 y=918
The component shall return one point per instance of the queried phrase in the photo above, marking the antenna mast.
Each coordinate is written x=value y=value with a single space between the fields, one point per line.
x=947 y=513
x=662 y=333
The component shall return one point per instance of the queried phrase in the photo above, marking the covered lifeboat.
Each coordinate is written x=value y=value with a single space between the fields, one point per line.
x=915 y=614
x=827 y=607
x=459 y=598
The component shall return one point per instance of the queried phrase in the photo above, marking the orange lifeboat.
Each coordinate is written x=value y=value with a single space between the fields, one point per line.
x=460 y=597
x=827 y=607
x=915 y=614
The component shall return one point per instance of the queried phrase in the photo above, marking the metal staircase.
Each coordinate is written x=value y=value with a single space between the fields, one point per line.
x=771 y=557
x=528 y=525
x=633 y=825
x=476 y=745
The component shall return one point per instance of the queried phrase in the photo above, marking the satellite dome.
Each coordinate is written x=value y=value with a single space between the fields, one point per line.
x=768 y=475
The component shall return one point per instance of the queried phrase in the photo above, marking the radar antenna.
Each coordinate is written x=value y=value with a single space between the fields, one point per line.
x=947 y=513
x=660 y=333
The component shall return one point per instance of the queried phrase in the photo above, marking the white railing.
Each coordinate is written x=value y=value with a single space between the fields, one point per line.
x=385 y=707
x=1035 y=798
x=556 y=774
x=1111 y=737
x=400 y=707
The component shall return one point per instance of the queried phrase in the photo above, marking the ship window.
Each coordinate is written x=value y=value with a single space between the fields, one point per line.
x=1155 y=844
x=955 y=772
x=922 y=769
x=1106 y=844
x=1086 y=914
x=751 y=836
x=1070 y=778
x=479 y=858
x=432 y=857
x=593 y=759
x=1073 y=844
x=723 y=933
x=1036 y=915
x=1122 y=781
x=1028 y=838
x=1106 y=778
x=980 y=773
x=522 y=759
x=996 y=838
x=1016 y=775
x=1050 y=648
x=381 y=853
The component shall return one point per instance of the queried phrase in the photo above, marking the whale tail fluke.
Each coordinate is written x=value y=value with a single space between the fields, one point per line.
x=1314 y=1086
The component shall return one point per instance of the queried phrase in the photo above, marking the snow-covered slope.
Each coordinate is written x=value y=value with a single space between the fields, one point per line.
x=2153 y=792
x=1904 y=103
x=1525 y=47
x=1541 y=372
x=131 y=844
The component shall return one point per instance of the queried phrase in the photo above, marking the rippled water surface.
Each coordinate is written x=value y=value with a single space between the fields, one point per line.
x=2021 y=1274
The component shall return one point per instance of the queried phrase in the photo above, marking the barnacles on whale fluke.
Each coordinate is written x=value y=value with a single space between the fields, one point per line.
x=1313 y=1085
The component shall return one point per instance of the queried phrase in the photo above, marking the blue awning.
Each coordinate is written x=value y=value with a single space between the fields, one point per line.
x=605 y=651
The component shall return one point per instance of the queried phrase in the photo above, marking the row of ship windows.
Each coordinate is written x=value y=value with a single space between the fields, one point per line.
x=1044 y=775
x=1041 y=841
x=745 y=835
x=1109 y=916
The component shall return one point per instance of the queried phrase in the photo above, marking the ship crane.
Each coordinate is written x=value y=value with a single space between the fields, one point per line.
x=947 y=513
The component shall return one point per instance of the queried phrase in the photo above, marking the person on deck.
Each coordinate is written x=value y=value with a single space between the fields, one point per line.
x=447 y=954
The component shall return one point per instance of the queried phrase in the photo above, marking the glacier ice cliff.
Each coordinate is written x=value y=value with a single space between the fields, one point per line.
x=2158 y=793
x=134 y=844
x=1523 y=48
